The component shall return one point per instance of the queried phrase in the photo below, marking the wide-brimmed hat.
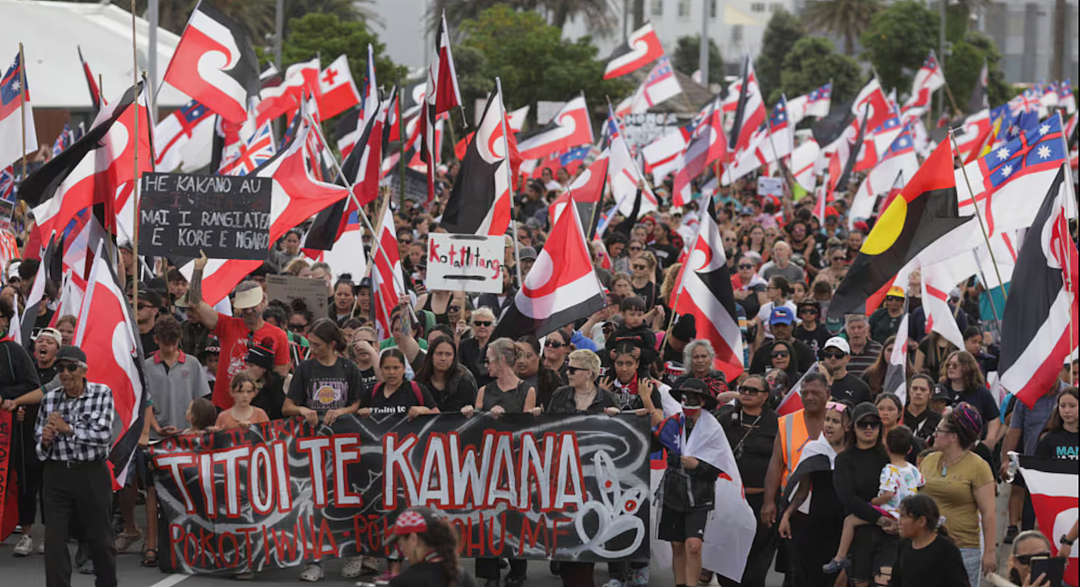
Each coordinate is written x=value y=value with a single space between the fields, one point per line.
x=249 y=298
x=695 y=386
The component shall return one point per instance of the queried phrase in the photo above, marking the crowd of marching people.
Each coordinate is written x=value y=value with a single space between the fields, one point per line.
x=859 y=485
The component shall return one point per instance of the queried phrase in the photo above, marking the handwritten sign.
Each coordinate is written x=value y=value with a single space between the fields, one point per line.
x=226 y=217
x=644 y=128
x=465 y=262
x=289 y=287
x=770 y=186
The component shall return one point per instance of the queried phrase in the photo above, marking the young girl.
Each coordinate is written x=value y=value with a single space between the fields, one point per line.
x=899 y=479
x=200 y=415
x=242 y=414
x=926 y=557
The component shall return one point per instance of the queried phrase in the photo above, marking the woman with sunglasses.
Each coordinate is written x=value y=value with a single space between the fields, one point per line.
x=441 y=303
x=810 y=330
x=963 y=380
x=749 y=288
x=751 y=428
x=782 y=356
x=1027 y=546
x=963 y=485
x=556 y=349
x=643 y=278
x=858 y=476
x=837 y=268
x=816 y=527
x=471 y=351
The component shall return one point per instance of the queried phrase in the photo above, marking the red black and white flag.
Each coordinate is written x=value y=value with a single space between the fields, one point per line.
x=641 y=48
x=706 y=293
x=1052 y=484
x=106 y=332
x=749 y=112
x=706 y=146
x=1036 y=337
x=441 y=95
x=480 y=200
x=301 y=79
x=91 y=84
x=561 y=287
x=387 y=277
x=586 y=192
x=215 y=64
x=568 y=129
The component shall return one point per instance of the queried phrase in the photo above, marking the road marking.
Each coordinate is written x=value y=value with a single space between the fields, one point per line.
x=171 y=580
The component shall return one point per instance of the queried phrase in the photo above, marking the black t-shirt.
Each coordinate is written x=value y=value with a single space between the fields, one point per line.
x=46 y=374
x=924 y=424
x=1059 y=444
x=149 y=345
x=425 y=574
x=981 y=399
x=399 y=401
x=323 y=388
x=751 y=439
x=939 y=564
x=649 y=293
x=627 y=398
x=815 y=339
x=368 y=379
x=851 y=389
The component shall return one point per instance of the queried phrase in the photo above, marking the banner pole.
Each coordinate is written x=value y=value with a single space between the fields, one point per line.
x=982 y=225
x=23 y=96
x=1066 y=272
x=510 y=179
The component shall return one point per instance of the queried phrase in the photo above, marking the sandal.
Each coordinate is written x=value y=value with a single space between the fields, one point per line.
x=149 y=557
x=312 y=573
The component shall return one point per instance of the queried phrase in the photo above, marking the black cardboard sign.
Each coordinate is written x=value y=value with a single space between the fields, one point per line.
x=226 y=217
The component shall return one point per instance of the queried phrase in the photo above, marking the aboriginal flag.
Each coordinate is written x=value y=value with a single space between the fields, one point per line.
x=924 y=212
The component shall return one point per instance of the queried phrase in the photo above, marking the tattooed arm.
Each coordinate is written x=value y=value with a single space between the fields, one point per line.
x=200 y=310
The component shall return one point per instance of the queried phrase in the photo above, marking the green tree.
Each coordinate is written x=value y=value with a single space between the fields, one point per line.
x=328 y=36
x=964 y=64
x=898 y=40
x=597 y=13
x=258 y=15
x=844 y=18
x=687 y=58
x=784 y=30
x=534 y=62
x=812 y=62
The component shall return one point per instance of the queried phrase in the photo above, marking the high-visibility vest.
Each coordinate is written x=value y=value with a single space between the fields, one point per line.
x=793 y=437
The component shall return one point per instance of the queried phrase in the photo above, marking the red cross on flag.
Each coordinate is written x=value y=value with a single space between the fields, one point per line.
x=339 y=91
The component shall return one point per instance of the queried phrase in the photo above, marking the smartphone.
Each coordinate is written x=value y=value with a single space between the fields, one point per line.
x=1053 y=568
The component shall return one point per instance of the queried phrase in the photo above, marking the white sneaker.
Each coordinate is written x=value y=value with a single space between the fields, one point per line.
x=41 y=546
x=25 y=547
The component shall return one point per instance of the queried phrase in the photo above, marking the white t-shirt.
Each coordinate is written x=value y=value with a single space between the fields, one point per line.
x=765 y=313
x=902 y=481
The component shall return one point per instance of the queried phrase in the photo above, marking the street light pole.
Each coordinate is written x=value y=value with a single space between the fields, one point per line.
x=279 y=31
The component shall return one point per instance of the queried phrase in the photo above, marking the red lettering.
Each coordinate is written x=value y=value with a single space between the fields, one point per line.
x=529 y=538
x=491 y=535
x=433 y=251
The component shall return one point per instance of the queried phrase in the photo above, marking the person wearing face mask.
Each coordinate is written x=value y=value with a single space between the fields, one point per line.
x=429 y=543
x=237 y=335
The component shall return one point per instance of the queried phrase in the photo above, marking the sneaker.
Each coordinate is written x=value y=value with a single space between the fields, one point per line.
x=124 y=541
x=87 y=568
x=835 y=566
x=384 y=578
x=312 y=573
x=705 y=578
x=25 y=547
x=371 y=565
x=614 y=583
x=354 y=567
x=1010 y=534
x=639 y=577
x=41 y=545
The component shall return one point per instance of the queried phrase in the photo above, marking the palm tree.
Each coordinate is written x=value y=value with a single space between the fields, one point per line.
x=598 y=14
x=846 y=18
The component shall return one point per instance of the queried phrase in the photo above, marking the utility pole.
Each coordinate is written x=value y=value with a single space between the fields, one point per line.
x=703 y=48
x=941 y=54
x=152 y=53
x=279 y=31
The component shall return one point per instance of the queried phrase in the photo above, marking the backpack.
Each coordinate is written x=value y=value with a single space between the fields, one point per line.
x=415 y=389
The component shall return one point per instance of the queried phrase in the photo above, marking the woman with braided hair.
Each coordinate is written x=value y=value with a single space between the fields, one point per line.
x=430 y=545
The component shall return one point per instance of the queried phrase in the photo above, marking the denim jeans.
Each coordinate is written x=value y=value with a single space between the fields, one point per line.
x=973 y=564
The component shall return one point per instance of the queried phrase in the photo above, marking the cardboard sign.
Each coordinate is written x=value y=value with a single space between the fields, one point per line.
x=770 y=186
x=465 y=262
x=224 y=216
x=549 y=487
x=290 y=287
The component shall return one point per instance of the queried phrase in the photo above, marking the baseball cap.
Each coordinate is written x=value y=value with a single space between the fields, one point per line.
x=527 y=253
x=863 y=411
x=72 y=354
x=838 y=343
x=414 y=520
x=781 y=315
x=53 y=334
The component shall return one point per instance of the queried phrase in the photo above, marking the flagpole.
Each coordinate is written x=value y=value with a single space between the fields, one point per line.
x=772 y=143
x=22 y=101
x=982 y=225
x=1065 y=243
x=135 y=266
x=989 y=298
x=510 y=185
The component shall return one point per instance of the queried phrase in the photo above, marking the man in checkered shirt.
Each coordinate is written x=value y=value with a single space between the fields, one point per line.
x=73 y=434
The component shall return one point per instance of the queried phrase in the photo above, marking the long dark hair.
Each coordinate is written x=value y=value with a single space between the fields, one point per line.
x=1055 y=423
x=923 y=506
x=793 y=361
x=443 y=539
x=874 y=376
x=427 y=370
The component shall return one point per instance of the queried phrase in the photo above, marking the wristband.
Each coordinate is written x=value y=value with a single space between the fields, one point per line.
x=1065 y=540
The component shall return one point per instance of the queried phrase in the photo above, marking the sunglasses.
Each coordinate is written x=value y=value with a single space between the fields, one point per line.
x=869 y=424
x=839 y=259
x=482 y=323
x=146 y=306
x=780 y=355
x=297 y=327
x=69 y=367
x=836 y=407
x=554 y=344
x=808 y=310
x=637 y=248
x=833 y=355
x=570 y=370
x=745 y=266
x=640 y=267
x=1025 y=559
x=749 y=389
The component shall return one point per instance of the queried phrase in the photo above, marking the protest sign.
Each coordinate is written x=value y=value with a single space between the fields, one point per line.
x=465 y=262
x=770 y=186
x=562 y=487
x=415 y=185
x=224 y=216
x=290 y=287
x=644 y=128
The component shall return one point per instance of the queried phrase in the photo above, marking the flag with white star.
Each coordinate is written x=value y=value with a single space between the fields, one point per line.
x=1003 y=181
x=17 y=132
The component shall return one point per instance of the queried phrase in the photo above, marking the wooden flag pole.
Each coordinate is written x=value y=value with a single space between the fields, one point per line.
x=22 y=105
x=510 y=179
x=978 y=213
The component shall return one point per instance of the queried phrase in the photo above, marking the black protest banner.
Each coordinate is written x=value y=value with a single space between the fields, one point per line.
x=227 y=217
x=7 y=525
x=281 y=493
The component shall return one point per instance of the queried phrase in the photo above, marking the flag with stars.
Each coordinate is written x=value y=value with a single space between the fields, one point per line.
x=191 y=125
x=64 y=140
x=1004 y=180
x=573 y=158
x=15 y=98
x=252 y=153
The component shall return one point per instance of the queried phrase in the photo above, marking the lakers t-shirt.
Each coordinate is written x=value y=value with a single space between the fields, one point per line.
x=324 y=388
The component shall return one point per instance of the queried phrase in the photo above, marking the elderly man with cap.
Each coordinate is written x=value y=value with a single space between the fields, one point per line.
x=73 y=435
x=527 y=255
x=782 y=324
x=237 y=335
x=843 y=386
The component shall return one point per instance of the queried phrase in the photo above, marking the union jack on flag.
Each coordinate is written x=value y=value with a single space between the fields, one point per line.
x=64 y=140
x=1029 y=101
x=7 y=184
x=253 y=153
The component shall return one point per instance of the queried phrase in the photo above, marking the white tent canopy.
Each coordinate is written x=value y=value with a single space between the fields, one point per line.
x=52 y=32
